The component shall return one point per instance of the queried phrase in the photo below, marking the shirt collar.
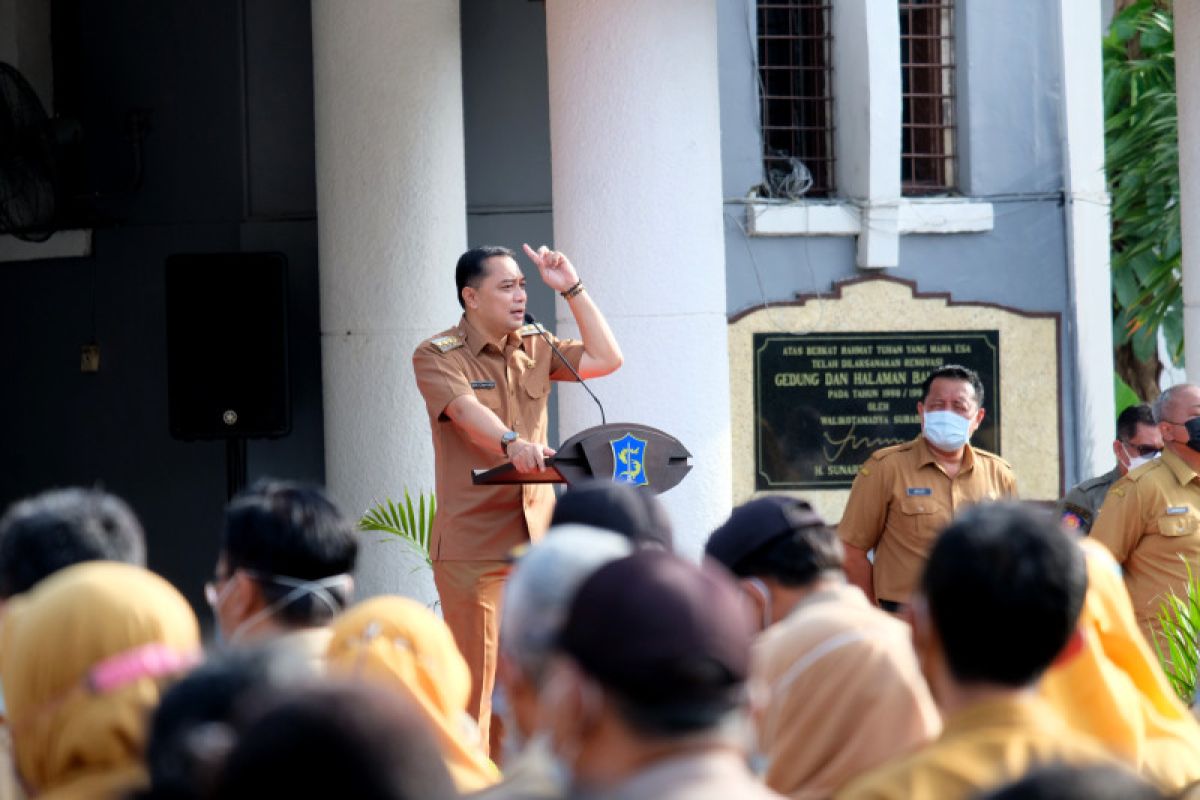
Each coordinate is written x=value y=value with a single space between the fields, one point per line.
x=927 y=456
x=1179 y=468
x=476 y=341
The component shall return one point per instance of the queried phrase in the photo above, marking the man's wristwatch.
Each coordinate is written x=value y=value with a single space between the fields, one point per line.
x=507 y=438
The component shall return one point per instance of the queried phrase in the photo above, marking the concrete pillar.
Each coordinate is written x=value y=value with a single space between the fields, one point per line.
x=636 y=166
x=1187 y=89
x=391 y=206
x=1089 y=325
x=866 y=83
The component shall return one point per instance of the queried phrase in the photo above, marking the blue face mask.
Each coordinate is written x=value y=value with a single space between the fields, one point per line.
x=946 y=430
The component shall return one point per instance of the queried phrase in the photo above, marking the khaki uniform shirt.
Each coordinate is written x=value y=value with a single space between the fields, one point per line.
x=844 y=693
x=1151 y=523
x=982 y=747
x=484 y=523
x=1081 y=505
x=902 y=499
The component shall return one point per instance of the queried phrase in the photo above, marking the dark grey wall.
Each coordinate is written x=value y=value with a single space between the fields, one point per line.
x=226 y=91
x=1009 y=140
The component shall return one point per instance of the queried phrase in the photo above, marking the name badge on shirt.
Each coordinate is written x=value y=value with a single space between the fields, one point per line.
x=483 y=384
x=919 y=491
x=1175 y=510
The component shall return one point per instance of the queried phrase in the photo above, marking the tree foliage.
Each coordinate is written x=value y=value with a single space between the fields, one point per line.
x=1142 y=159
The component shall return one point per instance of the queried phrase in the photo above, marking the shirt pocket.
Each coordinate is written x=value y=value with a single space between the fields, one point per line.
x=921 y=516
x=490 y=395
x=536 y=383
x=1179 y=524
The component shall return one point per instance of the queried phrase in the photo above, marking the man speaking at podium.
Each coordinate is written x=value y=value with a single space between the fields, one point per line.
x=485 y=383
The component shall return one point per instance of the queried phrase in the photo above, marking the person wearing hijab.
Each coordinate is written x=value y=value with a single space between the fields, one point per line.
x=83 y=659
x=1108 y=684
x=401 y=644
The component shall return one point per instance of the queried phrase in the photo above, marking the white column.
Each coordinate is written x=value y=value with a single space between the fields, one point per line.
x=1089 y=324
x=866 y=77
x=391 y=199
x=1187 y=89
x=635 y=144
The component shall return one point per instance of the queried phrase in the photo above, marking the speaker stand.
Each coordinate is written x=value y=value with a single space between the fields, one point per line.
x=235 y=465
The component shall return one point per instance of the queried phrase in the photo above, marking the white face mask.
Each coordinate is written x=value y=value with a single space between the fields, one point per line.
x=1135 y=459
x=946 y=430
x=299 y=588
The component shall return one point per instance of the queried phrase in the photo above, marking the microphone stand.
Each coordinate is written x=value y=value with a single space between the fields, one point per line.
x=529 y=320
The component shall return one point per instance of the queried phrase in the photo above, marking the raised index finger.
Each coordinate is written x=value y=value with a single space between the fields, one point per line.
x=533 y=255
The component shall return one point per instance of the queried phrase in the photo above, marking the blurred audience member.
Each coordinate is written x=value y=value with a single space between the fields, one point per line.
x=199 y=719
x=1108 y=684
x=399 y=644
x=635 y=513
x=647 y=698
x=283 y=571
x=1062 y=782
x=83 y=657
x=1000 y=597
x=336 y=741
x=42 y=534
x=536 y=599
x=844 y=692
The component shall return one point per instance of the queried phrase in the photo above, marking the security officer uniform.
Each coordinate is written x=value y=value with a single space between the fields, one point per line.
x=1081 y=505
x=1151 y=523
x=476 y=527
x=901 y=500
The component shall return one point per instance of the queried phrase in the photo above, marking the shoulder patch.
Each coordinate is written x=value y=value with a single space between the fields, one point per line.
x=531 y=329
x=446 y=343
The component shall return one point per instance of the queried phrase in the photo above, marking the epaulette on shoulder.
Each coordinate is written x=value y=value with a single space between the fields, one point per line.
x=530 y=329
x=884 y=452
x=992 y=456
x=446 y=343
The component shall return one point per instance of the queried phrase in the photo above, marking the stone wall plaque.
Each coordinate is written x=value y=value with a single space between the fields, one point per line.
x=1025 y=403
x=825 y=401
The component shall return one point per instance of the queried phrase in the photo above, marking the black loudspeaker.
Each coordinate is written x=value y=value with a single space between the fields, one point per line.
x=227 y=346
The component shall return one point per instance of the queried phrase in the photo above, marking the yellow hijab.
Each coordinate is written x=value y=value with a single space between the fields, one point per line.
x=1109 y=685
x=399 y=643
x=81 y=659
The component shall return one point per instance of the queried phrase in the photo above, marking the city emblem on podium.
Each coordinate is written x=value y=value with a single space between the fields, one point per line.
x=629 y=460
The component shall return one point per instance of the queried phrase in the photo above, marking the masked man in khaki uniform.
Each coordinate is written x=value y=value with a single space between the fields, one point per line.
x=904 y=495
x=1151 y=517
x=486 y=382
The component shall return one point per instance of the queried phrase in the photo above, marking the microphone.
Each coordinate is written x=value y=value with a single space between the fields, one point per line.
x=529 y=320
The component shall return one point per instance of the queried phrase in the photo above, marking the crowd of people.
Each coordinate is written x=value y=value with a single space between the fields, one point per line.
x=943 y=641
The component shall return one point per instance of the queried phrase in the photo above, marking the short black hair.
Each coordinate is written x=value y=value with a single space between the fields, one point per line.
x=1130 y=418
x=199 y=719
x=337 y=740
x=1004 y=588
x=956 y=372
x=290 y=530
x=42 y=534
x=635 y=513
x=1067 y=782
x=797 y=558
x=470 y=269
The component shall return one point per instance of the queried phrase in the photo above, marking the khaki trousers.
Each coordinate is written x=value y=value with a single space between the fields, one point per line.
x=471 y=592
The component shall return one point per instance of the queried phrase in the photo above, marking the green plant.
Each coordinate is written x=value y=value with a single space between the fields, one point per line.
x=1179 y=646
x=411 y=522
x=1142 y=161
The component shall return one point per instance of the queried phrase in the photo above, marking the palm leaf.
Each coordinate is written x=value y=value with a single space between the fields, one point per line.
x=411 y=524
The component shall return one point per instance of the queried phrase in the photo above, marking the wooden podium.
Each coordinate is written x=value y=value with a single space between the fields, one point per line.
x=625 y=452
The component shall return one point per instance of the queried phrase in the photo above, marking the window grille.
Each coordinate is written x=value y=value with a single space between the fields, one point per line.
x=795 y=86
x=927 y=75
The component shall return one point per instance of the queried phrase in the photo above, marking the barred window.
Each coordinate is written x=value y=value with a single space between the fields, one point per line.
x=927 y=79
x=795 y=85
